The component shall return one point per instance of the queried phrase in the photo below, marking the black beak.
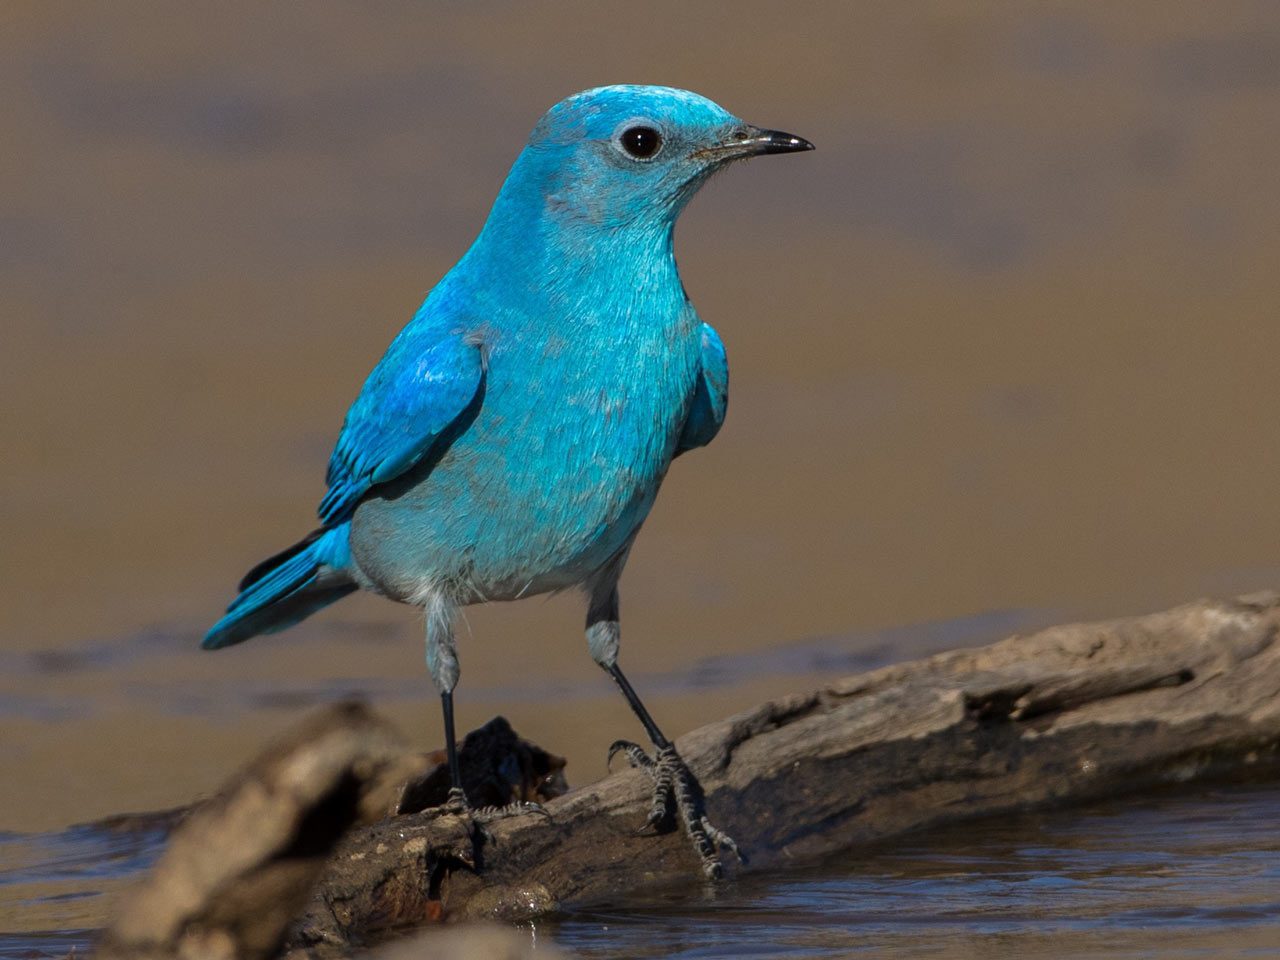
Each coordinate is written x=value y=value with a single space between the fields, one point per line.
x=752 y=142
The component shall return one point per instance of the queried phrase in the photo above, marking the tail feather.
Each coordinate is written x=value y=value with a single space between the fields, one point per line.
x=277 y=559
x=287 y=588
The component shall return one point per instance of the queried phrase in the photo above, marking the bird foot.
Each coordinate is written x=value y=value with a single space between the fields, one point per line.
x=456 y=805
x=677 y=793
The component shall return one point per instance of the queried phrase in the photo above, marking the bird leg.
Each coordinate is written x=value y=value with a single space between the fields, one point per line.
x=442 y=662
x=456 y=803
x=676 y=791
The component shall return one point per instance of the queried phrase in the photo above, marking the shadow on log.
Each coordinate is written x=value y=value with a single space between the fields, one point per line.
x=1066 y=714
x=239 y=868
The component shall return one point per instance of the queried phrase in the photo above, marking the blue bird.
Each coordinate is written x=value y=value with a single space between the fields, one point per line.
x=513 y=437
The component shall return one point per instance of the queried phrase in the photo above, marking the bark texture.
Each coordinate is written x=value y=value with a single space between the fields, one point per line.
x=1065 y=714
x=307 y=836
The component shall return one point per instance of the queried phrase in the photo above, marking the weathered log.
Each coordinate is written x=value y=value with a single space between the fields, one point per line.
x=240 y=867
x=1066 y=714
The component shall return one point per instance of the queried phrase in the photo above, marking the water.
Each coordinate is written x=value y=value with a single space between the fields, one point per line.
x=1188 y=873
x=1006 y=341
x=55 y=887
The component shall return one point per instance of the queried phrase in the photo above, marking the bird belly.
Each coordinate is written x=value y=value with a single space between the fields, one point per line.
x=521 y=503
x=478 y=531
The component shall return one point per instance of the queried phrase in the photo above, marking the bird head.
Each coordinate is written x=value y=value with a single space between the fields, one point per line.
x=632 y=155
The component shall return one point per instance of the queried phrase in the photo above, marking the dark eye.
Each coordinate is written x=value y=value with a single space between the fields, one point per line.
x=641 y=142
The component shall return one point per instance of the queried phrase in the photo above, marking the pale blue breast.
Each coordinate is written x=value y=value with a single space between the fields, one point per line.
x=560 y=466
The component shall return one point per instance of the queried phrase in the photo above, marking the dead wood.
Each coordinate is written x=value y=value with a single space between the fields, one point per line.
x=1065 y=714
x=240 y=867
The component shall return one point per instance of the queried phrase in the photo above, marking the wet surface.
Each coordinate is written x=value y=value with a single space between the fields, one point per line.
x=1005 y=342
x=56 y=887
x=1188 y=873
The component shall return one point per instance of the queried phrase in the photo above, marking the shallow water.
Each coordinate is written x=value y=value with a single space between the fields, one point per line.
x=55 y=888
x=1190 y=873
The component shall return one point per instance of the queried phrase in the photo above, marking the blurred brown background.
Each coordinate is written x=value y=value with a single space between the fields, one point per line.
x=1006 y=341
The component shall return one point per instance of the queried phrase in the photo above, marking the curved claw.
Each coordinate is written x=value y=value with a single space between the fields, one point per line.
x=614 y=749
x=726 y=842
x=635 y=754
x=722 y=840
x=677 y=796
x=654 y=822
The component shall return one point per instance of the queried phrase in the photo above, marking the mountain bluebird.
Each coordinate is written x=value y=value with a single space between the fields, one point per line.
x=513 y=437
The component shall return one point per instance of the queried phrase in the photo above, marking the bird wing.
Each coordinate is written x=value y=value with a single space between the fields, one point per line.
x=426 y=381
x=711 y=395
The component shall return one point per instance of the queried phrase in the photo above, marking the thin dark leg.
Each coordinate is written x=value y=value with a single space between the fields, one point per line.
x=676 y=792
x=451 y=742
x=629 y=692
x=457 y=802
x=442 y=661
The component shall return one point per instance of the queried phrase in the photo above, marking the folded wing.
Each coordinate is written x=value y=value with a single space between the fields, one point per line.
x=424 y=384
x=711 y=395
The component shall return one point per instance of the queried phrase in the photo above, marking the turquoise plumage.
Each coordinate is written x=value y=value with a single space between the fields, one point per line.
x=513 y=438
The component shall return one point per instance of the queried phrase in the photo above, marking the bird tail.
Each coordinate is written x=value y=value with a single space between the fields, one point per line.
x=287 y=588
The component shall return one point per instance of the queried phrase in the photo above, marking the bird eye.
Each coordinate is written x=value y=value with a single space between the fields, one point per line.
x=641 y=142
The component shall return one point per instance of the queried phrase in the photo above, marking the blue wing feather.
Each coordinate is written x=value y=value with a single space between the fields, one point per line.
x=423 y=384
x=711 y=395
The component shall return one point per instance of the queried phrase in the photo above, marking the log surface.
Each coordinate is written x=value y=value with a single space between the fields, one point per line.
x=1065 y=714
x=239 y=868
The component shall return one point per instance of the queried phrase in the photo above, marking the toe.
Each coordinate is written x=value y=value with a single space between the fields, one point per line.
x=490 y=814
x=634 y=753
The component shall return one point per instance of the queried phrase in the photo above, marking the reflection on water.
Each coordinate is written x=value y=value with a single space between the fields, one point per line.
x=55 y=888
x=56 y=885
x=1185 y=874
